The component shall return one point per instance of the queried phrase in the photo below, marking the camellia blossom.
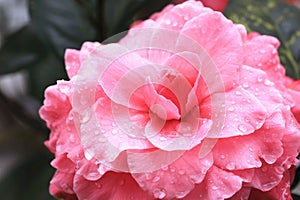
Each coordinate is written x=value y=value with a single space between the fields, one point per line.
x=186 y=106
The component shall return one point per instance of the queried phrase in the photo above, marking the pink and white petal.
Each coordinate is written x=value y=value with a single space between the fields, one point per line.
x=63 y=164
x=290 y=147
x=105 y=131
x=266 y=177
x=62 y=183
x=226 y=47
x=89 y=169
x=111 y=186
x=258 y=83
x=179 y=63
x=159 y=105
x=75 y=58
x=177 y=135
x=218 y=184
x=261 y=52
x=264 y=143
x=56 y=107
x=247 y=113
x=279 y=192
x=177 y=179
x=176 y=17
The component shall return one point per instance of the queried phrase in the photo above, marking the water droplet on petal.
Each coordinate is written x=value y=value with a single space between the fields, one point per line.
x=181 y=194
x=231 y=108
x=264 y=169
x=85 y=118
x=168 y=22
x=242 y=128
x=238 y=92
x=159 y=193
x=222 y=156
x=98 y=185
x=165 y=168
x=230 y=166
x=122 y=182
x=181 y=172
x=214 y=187
x=259 y=79
x=250 y=149
x=262 y=51
x=102 y=169
x=162 y=139
x=245 y=85
x=114 y=131
x=89 y=154
x=267 y=82
x=155 y=179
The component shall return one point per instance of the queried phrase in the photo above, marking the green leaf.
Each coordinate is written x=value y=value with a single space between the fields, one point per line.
x=20 y=50
x=62 y=24
x=276 y=18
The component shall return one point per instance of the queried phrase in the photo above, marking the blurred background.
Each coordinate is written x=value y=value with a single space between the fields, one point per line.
x=33 y=37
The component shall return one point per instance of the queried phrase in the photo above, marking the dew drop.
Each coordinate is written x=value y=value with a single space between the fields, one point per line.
x=102 y=169
x=214 y=187
x=181 y=172
x=89 y=154
x=159 y=193
x=148 y=176
x=267 y=82
x=238 y=92
x=83 y=100
x=165 y=168
x=262 y=51
x=279 y=170
x=242 y=128
x=245 y=85
x=122 y=182
x=222 y=156
x=168 y=22
x=264 y=169
x=181 y=194
x=250 y=149
x=231 y=108
x=114 y=131
x=85 y=118
x=155 y=179
x=230 y=166
x=259 y=79
x=98 y=185
x=162 y=139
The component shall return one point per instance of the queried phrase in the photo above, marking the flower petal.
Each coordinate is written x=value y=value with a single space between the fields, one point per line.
x=112 y=186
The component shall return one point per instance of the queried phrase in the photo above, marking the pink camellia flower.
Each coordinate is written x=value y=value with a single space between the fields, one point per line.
x=218 y=5
x=186 y=106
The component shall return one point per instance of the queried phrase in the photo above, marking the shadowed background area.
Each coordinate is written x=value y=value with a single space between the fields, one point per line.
x=33 y=37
